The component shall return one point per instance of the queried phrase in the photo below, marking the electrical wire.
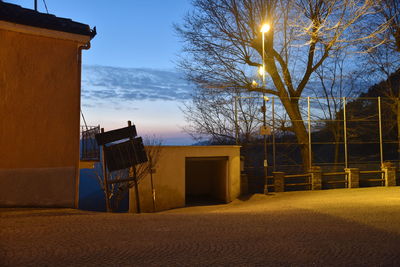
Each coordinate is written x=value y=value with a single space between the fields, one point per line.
x=44 y=2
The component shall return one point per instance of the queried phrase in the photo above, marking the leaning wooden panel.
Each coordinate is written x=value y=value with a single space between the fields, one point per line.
x=115 y=135
x=124 y=155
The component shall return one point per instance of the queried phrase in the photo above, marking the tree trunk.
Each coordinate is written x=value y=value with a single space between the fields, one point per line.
x=292 y=108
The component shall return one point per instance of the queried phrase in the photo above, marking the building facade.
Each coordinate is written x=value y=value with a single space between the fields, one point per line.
x=40 y=86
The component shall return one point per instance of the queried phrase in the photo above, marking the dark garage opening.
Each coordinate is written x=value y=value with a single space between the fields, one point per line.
x=206 y=180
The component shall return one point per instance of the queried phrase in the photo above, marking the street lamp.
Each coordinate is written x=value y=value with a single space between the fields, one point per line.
x=264 y=28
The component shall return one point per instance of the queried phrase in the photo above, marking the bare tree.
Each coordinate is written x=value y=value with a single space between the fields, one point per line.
x=378 y=61
x=119 y=190
x=219 y=115
x=389 y=12
x=337 y=78
x=223 y=45
x=382 y=61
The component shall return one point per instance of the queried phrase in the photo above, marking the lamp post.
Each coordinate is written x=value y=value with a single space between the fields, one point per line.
x=264 y=28
x=235 y=100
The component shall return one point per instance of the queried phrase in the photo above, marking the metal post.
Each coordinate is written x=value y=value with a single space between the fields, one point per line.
x=263 y=58
x=345 y=133
x=136 y=189
x=82 y=144
x=36 y=5
x=273 y=134
x=152 y=183
x=380 y=129
x=135 y=182
x=398 y=131
x=264 y=117
x=105 y=176
x=236 y=122
x=309 y=132
x=265 y=137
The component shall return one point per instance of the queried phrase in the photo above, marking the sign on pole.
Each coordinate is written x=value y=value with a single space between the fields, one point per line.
x=265 y=130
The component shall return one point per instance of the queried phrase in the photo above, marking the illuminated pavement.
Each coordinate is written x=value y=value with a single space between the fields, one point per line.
x=333 y=227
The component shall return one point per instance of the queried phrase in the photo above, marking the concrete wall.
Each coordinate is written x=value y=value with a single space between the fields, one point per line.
x=169 y=179
x=39 y=120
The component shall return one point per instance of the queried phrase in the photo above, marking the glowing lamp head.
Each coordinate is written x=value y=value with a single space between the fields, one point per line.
x=261 y=70
x=265 y=28
x=266 y=98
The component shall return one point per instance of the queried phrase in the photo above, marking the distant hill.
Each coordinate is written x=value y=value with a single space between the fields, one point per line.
x=385 y=88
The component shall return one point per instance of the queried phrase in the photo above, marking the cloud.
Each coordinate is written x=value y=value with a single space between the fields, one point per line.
x=102 y=83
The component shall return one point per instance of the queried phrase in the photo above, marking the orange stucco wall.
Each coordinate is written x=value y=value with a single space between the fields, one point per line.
x=39 y=120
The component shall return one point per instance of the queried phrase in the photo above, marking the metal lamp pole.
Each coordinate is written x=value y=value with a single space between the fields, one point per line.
x=264 y=29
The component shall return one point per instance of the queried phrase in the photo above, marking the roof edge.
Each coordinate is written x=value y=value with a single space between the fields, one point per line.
x=21 y=28
x=20 y=15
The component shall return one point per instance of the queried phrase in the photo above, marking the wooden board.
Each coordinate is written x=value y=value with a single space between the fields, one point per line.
x=115 y=135
x=124 y=155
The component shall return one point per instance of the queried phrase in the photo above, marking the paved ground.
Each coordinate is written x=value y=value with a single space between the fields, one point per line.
x=351 y=227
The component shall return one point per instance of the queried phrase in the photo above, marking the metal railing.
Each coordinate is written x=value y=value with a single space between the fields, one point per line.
x=304 y=175
x=89 y=150
x=345 y=181
x=287 y=179
x=369 y=180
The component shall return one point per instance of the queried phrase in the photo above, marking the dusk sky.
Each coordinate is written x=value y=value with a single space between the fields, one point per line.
x=136 y=39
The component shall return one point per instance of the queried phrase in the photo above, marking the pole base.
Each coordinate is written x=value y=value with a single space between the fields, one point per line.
x=265 y=189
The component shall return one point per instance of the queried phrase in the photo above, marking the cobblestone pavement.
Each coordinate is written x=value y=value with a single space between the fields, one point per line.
x=351 y=227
